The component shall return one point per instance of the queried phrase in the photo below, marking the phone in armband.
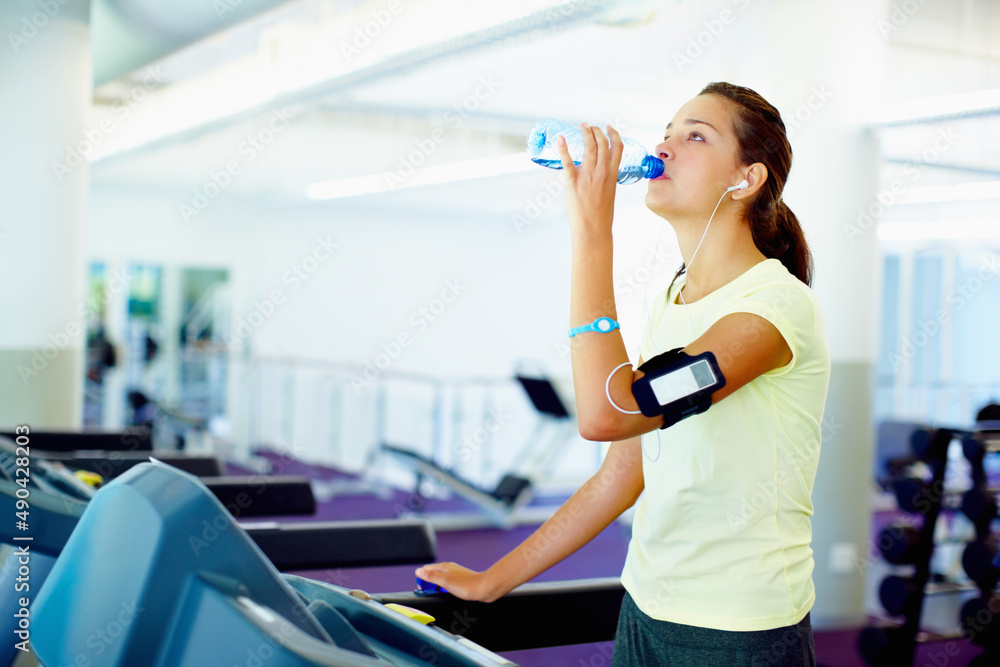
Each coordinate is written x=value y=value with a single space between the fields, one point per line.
x=677 y=385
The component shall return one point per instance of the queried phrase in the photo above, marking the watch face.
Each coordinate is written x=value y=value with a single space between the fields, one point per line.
x=604 y=324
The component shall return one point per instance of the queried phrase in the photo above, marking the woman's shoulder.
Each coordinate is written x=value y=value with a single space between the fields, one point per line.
x=770 y=282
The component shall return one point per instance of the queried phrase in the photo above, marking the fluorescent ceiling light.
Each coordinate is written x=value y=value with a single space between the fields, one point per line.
x=932 y=108
x=939 y=230
x=946 y=193
x=300 y=63
x=443 y=173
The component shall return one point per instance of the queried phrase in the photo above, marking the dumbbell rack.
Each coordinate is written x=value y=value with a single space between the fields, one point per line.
x=895 y=646
x=978 y=615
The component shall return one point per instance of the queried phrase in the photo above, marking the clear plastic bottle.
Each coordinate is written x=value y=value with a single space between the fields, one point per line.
x=636 y=163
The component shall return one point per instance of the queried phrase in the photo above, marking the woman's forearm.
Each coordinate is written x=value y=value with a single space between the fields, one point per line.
x=612 y=490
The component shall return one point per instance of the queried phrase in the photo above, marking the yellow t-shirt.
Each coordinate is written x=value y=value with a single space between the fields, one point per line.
x=721 y=534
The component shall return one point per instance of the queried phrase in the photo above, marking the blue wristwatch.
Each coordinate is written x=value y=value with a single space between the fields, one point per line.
x=600 y=325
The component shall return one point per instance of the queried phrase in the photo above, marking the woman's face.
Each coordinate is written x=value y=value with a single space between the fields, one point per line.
x=700 y=159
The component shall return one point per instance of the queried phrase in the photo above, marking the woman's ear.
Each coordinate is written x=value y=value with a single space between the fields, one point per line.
x=756 y=176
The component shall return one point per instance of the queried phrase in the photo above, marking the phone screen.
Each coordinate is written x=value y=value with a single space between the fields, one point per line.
x=682 y=382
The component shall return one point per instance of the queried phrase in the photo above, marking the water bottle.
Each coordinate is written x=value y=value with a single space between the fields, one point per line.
x=635 y=164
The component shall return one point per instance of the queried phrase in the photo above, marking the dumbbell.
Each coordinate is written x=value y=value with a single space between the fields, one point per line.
x=899 y=544
x=975 y=453
x=980 y=506
x=980 y=619
x=899 y=595
x=913 y=495
x=929 y=444
x=881 y=647
x=977 y=561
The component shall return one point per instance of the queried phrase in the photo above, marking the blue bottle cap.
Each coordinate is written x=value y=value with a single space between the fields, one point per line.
x=652 y=166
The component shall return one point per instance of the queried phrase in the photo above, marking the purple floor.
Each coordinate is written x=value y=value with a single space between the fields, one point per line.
x=603 y=557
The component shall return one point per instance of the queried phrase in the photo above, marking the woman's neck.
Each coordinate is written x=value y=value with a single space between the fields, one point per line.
x=727 y=252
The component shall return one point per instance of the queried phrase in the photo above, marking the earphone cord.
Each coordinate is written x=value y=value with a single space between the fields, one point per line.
x=645 y=309
x=691 y=261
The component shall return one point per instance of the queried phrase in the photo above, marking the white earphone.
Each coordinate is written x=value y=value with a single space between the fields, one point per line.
x=742 y=185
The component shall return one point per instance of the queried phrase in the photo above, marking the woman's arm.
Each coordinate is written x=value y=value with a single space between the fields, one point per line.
x=745 y=345
x=590 y=198
x=611 y=491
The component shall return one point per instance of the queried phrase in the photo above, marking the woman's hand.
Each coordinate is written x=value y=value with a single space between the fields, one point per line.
x=590 y=187
x=459 y=581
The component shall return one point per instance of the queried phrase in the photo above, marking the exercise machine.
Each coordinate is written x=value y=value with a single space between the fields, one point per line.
x=127 y=590
x=501 y=504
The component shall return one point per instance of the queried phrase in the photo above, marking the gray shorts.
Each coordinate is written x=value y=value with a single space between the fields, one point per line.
x=646 y=642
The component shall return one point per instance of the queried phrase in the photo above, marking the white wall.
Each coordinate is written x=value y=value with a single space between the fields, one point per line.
x=394 y=266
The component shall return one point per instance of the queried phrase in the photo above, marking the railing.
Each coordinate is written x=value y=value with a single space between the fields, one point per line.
x=944 y=404
x=339 y=415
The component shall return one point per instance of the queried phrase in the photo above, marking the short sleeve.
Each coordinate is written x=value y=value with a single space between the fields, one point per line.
x=788 y=308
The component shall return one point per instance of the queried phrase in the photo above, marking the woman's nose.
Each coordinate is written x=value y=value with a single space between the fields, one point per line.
x=663 y=151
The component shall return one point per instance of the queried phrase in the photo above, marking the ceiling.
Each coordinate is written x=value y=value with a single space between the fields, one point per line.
x=425 y=90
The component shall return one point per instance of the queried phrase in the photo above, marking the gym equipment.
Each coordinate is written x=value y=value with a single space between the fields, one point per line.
x=514 y=490
x=110 y=464
x=256 y=495
x=912 y=495
x=129 y=566
x=893 y=450
x=587 y=611
x=978 y=561
x=510 y=493
x=981 y=622
x=907 y=545
x=245 y=496
x=899 y=595
x=58 y=499
x=980 y=505
x=133 y=439
x=325 y=544
x=975 y=452
x=901 y=544
x=927 y=447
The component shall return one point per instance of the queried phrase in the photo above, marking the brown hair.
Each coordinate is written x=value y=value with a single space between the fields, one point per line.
x=761 y=135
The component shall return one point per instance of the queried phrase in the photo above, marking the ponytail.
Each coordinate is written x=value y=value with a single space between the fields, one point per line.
x=761 y=135
x=782 y=238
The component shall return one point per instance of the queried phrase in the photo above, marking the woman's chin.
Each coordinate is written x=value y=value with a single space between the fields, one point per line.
x=655 y=203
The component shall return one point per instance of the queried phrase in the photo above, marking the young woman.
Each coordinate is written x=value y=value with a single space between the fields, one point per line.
x=719 y=568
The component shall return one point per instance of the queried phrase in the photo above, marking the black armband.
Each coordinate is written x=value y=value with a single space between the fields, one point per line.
x=677 y=385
